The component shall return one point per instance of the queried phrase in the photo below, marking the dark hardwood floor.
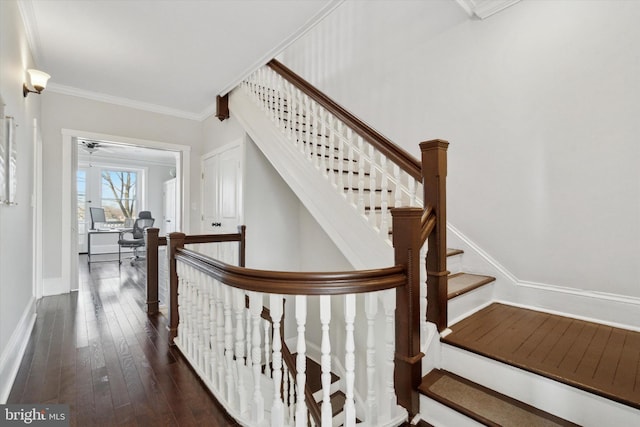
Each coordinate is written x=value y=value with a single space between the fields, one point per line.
x=597 y=358
x=97 y=350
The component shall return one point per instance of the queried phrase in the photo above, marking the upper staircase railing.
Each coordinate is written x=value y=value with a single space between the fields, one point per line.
x=373 y=174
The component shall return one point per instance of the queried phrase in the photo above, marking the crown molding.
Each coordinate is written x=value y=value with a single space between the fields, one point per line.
x=485 y=8
x=31 y=29
x=124 y=102
x=304 y=28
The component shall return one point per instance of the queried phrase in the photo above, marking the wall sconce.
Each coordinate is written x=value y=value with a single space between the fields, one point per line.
x=38 y=80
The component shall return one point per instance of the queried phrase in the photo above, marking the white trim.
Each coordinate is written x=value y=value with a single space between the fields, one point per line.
x=68 y=280
x=303 y=29
x=124 y=102
x=11 y=357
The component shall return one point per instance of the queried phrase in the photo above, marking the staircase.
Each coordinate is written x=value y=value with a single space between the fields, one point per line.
x=327 y=164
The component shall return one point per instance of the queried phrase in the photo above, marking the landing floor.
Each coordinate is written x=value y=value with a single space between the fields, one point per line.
x=600 y=359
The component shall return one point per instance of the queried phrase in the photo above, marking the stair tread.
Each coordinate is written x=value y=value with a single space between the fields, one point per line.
x=541 y=343
x=452 y=251
x=461 y=283
x=482 y=404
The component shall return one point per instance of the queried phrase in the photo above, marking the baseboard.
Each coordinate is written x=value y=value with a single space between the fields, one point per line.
x=12 y=355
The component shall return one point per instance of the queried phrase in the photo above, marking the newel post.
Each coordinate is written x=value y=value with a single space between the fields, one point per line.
x=408 y=366
x=242 y=230
x=174 y=241
x=434 y=172
x=152 y=270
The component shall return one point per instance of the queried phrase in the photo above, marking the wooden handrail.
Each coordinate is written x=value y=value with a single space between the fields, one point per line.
x=154 y=241
x=406 y=161
x=295 y=283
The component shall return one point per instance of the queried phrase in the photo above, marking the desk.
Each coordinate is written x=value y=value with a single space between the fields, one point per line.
x=109 y=231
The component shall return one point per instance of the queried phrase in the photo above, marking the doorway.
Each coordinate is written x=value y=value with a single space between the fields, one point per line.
x=69 y=200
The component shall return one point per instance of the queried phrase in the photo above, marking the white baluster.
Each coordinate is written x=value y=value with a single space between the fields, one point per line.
x=228 y=347
x=266 y=326
x=301 y=361
x=349 y=360
x=398 y=187
x=388 y=403
x=371 y=310
x=361 y=161
x=332 y=149
x=350 y=181
x=213 y=330
x=275 y=308
x=290 y=115
x=307 y=127
x=384 y=201
x=255 y=307
x=220 y=337
x=372 y=186
x=323 y=141
x=300 y=123
x=181 y=306
x=341 y=156
x=239 y=309
x=248 y=338
x=314 y=150
x=325 y=360
x=206 y=323
x=203 y=323
x=412 y=191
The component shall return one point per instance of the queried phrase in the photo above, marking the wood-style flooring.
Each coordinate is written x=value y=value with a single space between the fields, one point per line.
x=96 y=350
x=596 y=358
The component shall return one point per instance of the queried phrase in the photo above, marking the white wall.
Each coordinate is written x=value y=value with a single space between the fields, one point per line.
x=540 y=104
x=69 y=112
x=17 y=308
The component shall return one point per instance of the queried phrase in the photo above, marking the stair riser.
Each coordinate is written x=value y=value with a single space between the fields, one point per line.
x=551 y=396
x=464 y=305
x=454 y=264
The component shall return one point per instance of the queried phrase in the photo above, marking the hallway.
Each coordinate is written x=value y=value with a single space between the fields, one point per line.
x=97 y=350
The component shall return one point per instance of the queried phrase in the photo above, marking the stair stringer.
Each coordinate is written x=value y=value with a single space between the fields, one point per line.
x=351 y=233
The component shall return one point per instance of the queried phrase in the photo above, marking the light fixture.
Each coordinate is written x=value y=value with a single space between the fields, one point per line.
x=38 y=81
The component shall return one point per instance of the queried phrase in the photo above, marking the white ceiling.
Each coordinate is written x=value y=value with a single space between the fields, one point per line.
x=170 y=56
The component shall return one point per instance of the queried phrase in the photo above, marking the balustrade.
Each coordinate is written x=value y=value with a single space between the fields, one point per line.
x=343 y=151
x=230 y=329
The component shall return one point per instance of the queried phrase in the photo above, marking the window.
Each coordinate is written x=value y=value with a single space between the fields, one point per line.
x=119 y=194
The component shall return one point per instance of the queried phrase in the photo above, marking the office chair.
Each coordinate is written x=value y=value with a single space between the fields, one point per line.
x=137 y=240
x=97 y=217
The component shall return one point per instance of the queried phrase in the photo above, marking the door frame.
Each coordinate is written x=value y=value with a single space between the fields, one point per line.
x=69 y=279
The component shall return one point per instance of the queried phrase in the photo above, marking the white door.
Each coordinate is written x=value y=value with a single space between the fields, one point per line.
x=222 y=190
x=169 y=200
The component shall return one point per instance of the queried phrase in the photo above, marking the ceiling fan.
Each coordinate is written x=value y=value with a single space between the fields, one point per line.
x=90 y=146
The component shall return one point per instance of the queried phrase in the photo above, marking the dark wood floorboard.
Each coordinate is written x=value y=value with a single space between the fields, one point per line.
x=97 y=350
x=597 y=358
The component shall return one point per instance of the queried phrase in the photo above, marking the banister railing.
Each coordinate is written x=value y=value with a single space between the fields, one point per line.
x=393 y=152
x=373 y=173
x=211 y=319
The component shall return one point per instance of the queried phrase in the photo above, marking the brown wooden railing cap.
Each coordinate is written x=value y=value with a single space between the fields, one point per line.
x=296 y=283
x=434 y=144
